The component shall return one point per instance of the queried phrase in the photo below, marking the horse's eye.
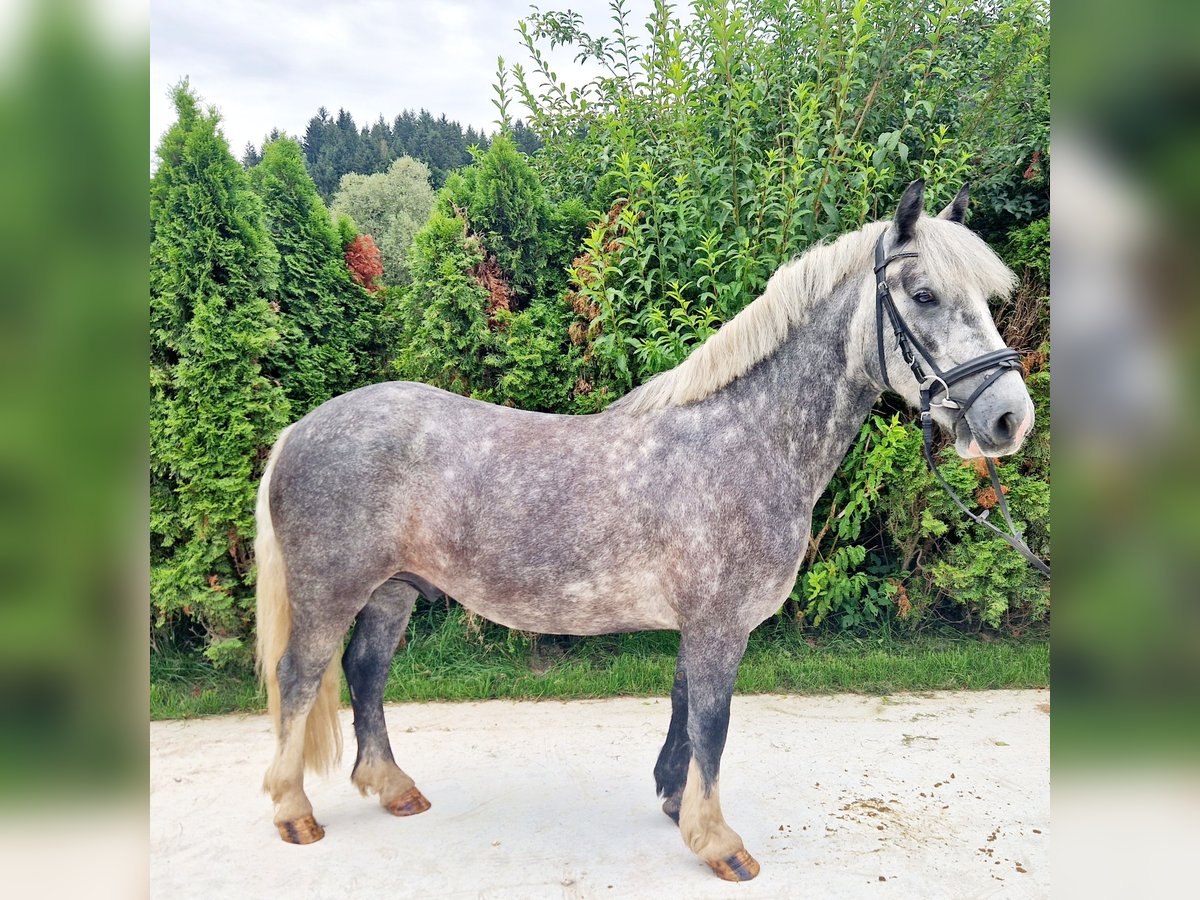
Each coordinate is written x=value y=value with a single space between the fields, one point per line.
x=924 y=296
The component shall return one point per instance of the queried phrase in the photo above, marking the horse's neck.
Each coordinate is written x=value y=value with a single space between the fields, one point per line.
x=809 y=399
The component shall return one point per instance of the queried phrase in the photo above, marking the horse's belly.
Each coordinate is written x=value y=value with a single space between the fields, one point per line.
x=578 y=607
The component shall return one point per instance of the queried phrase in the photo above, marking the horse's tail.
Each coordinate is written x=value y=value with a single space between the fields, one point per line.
x=322 y=734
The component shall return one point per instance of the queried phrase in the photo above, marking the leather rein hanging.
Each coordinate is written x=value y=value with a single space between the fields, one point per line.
x=914 y=352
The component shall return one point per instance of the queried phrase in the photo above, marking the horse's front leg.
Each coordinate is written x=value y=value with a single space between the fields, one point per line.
x=712 y=658
x=670 y=772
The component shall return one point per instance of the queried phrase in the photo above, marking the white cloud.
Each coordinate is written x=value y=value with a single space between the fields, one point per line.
x=271 y=63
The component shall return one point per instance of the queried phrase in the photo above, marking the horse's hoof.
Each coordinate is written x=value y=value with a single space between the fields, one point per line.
x=409 y=803
x=671 y=808
x=741 y=866
x=304 y=830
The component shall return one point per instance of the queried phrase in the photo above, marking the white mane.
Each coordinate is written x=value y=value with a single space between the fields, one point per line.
x=949 y=253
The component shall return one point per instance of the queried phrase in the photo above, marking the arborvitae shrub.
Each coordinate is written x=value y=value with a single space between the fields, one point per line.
x=213 y=277
x=319 y=304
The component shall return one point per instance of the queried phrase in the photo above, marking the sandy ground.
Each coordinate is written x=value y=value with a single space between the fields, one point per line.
x=931 y=795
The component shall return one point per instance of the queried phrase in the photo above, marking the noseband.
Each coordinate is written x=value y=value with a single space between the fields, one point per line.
x=939 y=382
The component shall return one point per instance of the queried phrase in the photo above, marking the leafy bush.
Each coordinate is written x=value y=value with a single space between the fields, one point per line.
x=834 y=582
x=889 y=544
x=1029 y=249
x=715 y=149
x=505 y=205
x=726 y=145
x=534 y=358
x=950 y=566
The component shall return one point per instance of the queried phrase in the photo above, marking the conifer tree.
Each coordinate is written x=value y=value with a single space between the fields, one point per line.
x=483 y=314
x=508 y=207
x=444 y=334
x=324 y=316
x=213 y=274
x=250 y=156
x=525 y=138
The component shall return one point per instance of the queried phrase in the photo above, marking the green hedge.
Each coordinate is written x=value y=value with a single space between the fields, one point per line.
x=666 y=192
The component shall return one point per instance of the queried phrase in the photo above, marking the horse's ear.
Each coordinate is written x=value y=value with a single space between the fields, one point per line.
x=956 y=209
x=909 y=210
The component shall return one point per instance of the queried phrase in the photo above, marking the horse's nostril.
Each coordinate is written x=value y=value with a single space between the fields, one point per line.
x=1006 y=426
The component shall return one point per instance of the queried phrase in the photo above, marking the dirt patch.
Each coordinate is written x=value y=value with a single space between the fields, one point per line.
x=908 y=739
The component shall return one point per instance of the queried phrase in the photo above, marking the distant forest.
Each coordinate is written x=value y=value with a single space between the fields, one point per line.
x=335 y=145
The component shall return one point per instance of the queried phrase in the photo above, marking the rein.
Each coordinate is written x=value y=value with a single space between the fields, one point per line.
x=913 y=351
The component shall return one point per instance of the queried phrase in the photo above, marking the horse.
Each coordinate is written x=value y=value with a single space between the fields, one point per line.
x=685 y=505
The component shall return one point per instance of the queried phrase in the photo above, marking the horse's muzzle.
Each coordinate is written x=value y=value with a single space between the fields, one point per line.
x=996 y=428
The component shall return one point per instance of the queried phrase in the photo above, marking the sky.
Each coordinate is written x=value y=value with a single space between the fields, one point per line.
x=271 y=63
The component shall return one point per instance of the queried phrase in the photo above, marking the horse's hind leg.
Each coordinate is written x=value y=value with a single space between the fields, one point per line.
x=377 y=632
x=307 y=735
x=712 y=658
x=670 y=772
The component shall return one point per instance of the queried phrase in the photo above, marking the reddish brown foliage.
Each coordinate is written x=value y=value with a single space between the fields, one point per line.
x=1021 y=320
x=364 y=262
x=579 y=265
x=1034 y=362
x=581 y=306
x=491 y=278
x=903 y=604
x=979 y=464
x=1032 y=171
x=610 y=220
x=238 y=550
x=987 y=497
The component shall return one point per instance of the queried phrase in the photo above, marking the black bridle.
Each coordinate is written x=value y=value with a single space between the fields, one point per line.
x=913 y=351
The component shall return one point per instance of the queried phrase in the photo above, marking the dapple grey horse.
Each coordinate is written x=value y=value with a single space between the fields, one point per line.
x=685 y=505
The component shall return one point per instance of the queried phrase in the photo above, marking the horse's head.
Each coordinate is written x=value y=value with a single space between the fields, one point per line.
x=934 y=330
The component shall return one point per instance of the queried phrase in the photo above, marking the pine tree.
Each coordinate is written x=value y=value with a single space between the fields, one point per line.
x=250 y=156
x=377 y=146
x=525 y=138
x=213 y=272
x=404 y=128
x=337 y=147
x=314 y=136
x=323 y=314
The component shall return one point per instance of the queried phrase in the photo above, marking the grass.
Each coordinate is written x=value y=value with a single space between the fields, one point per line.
x=183 y=686
x=447 y=657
